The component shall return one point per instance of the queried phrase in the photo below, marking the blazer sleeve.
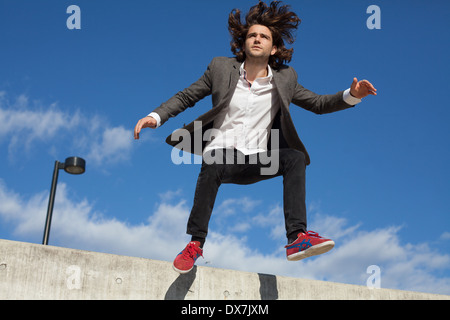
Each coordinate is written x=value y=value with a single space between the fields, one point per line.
x=319 y=104
x=187 y=97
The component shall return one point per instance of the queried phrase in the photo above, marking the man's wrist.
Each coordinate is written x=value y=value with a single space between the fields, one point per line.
x=349 y=98
x=155 y=116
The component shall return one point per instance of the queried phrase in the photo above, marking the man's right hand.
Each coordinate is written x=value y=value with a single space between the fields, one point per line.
x=147 y=122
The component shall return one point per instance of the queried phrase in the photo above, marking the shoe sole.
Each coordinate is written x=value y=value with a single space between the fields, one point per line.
x=181 y=271
x=312 y=251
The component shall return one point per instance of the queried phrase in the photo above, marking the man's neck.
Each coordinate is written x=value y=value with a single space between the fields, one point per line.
x=255 y=69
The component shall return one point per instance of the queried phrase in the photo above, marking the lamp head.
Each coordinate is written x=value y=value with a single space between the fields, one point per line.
x=75 y=165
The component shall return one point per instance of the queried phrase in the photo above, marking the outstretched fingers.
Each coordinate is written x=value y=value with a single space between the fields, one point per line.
x=371 y=89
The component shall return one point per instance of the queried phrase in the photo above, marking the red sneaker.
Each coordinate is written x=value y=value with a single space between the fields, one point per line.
x=184 y=262
x=308 y=244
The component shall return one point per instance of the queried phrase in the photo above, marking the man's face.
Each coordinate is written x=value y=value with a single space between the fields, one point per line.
x=258 y=43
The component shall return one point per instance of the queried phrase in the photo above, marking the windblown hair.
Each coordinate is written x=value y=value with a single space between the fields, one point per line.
x=280 y=21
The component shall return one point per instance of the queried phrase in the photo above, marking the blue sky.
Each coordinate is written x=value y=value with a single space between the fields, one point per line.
x=379 y=179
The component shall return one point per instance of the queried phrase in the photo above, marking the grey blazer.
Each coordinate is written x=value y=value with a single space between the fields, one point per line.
x=220 y=80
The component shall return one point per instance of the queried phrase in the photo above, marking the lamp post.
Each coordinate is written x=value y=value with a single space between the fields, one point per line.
x=72 y=165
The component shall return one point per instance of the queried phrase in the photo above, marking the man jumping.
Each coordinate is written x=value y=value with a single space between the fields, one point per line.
x=250 y=122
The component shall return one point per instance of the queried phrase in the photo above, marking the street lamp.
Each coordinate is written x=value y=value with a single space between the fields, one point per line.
x=72 y=165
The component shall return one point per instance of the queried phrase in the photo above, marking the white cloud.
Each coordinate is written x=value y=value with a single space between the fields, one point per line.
x=170 y=195
x=445 y=236
x=405 y=266
x=274 y=220
x=23 y=125
x=77 y=225
x=114 y=146
x=232 y=205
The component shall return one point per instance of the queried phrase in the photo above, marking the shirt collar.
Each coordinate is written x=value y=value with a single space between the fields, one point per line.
x=243 y=73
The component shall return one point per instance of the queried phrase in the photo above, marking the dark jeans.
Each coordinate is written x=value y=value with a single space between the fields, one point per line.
x=234 y=167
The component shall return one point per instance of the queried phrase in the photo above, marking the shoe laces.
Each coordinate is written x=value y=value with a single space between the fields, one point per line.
x=309 y=234
x=191 y=251
x=313 y=234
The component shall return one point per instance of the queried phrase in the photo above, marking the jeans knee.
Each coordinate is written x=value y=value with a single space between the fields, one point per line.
x=294 y=156
x=213 y=170
x=300 y=156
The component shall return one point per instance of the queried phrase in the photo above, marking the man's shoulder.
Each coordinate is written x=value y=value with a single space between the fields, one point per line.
x=220 y=67
x=225 y=62
x=225 y=59
x=284 y=68
x=285 y=74
x=222 y=64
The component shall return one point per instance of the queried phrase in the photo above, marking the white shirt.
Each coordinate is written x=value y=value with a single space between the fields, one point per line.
x=245 y=124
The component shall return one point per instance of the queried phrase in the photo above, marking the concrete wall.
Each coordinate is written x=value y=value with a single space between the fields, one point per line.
x=32 y=271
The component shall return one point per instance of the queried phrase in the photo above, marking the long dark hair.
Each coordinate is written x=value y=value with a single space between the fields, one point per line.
x=279 y=19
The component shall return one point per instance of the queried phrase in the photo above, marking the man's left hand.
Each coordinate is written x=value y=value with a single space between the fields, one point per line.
x=361 y=89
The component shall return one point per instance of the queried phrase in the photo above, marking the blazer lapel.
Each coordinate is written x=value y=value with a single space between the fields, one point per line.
x=284 y=87
x=234 y=75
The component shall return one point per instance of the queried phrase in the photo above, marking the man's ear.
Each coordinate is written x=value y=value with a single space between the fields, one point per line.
x=274 y=50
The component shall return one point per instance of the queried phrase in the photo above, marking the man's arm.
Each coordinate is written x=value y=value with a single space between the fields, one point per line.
x=321 y=104
x=178 y=103
x=186 y=98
